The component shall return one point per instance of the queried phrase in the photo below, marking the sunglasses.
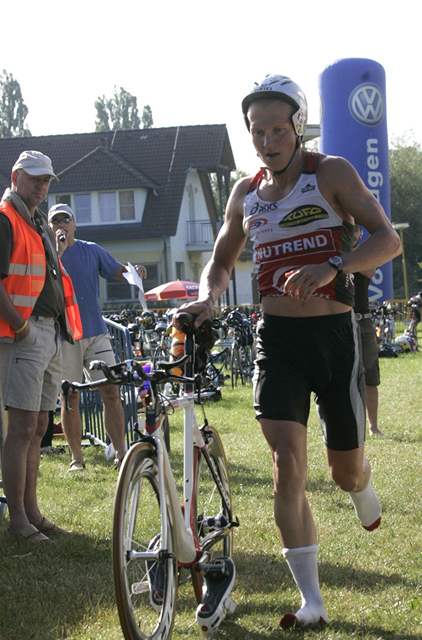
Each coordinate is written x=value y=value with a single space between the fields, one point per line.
x=61 y=219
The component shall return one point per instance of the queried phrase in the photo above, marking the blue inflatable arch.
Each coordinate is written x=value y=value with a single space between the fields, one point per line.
x=354 y=125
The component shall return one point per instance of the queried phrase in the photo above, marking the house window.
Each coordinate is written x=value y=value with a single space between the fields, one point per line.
x=107 y=202
x=83 y=207
x=152 y=279
x=127 y=205
x=123 y=292
x=65 y=198
x=80 y=203
x=120 y=291
x=180 y=270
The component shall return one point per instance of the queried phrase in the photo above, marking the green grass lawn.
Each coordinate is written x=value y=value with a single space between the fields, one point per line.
x=371 y=582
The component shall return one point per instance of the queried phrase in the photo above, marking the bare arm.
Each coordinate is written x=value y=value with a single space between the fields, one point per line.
x=230 y=242
x=341 y=185
x=9 y=314
x=352 y=199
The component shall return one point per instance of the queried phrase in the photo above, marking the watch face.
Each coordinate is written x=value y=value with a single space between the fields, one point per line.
x=336 y=261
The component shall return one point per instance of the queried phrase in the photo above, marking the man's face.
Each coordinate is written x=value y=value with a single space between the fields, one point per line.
x=32 y=189
x=64 y=222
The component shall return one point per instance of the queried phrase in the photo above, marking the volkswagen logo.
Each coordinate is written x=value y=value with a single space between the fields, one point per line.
x=366 y=104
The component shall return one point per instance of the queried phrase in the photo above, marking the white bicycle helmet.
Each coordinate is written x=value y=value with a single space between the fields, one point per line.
x=276 y=86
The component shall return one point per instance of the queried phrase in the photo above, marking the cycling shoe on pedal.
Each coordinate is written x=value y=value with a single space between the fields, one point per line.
x=155 y=573
x=219 y=580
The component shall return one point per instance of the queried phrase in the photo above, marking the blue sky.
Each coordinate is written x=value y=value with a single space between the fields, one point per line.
x=194 y=61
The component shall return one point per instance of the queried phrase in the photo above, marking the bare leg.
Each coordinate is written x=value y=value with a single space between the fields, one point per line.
x=352 y=473
x=72 y=426
x=33 y=462
x=350 y=470
x=294 y=518
x=291 y=509
x=372 y=409
x=21 y=432
x=114 y=418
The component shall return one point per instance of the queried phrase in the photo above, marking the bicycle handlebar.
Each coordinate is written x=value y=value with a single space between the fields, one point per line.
x=132 y=372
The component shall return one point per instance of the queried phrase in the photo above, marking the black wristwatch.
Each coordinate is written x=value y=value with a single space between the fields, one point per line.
x=336 y=262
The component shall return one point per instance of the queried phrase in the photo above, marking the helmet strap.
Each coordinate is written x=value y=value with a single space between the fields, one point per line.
x=292 y=157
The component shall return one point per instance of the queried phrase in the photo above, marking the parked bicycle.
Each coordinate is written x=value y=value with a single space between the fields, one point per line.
x=157 y=536
x=241 y=360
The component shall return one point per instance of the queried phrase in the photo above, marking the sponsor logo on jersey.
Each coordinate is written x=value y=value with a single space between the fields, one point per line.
x=303 y=215
x=258 y=222
x=308 y=187
x=311 y=243
x=260 y=207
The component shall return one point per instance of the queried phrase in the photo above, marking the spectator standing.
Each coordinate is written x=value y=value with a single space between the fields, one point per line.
x=37 y=309
x=370 y=349
x=86 y=262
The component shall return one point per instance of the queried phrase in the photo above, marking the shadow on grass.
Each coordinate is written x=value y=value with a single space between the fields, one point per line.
x=233 y=629
x=405 y=439
x=46 y=590
x=265 y=573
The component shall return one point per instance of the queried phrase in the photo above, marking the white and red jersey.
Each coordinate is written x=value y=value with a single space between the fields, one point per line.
x=301 y=228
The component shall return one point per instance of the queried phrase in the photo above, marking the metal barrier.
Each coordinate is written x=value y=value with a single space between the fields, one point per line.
x=91 y=405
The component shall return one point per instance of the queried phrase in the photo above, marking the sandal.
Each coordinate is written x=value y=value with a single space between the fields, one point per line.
x=75 y=466
x=47 y=527
x=29 y=534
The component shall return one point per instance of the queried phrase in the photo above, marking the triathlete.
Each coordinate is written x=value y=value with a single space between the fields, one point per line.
x=299 y=213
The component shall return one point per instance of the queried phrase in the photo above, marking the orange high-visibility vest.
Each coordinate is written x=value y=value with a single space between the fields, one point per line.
x=26 y=277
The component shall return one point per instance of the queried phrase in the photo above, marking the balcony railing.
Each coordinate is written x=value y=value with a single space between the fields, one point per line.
x=199 y=234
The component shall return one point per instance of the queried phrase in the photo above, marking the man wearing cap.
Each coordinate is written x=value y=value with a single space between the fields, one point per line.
x=37 y=309
x=85 y=262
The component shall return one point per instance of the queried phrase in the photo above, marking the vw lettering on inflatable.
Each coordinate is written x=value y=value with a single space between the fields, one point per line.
x=354 y=125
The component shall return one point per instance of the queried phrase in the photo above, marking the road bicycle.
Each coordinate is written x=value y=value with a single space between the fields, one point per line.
x=159 y=536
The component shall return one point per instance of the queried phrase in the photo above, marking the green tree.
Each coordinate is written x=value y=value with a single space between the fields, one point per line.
x=147 y=120
x=13 y=110
x=221 y=188
x=406 y=206
x=120 y=112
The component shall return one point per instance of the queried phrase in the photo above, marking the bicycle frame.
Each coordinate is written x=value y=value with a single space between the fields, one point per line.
x=187 y=548
x=183 y=516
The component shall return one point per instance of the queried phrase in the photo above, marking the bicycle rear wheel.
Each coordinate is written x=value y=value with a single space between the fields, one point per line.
x=145 y=589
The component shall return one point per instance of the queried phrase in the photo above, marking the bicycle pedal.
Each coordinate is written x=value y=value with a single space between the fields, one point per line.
x=219 y=578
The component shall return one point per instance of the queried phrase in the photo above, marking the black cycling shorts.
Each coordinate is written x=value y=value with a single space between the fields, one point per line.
x=370 y=352
x=321 y=354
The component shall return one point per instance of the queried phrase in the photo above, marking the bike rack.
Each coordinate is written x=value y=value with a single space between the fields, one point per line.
x=91 y=406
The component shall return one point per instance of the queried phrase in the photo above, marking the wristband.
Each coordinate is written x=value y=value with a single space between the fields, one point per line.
x=22 y=328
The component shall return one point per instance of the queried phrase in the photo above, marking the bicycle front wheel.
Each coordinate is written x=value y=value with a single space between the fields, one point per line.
x=145 y=589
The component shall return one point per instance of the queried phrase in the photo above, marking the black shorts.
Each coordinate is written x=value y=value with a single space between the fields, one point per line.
x=369 y=352
x=321 y=354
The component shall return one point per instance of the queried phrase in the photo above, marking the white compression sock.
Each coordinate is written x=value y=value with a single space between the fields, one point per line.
x=367 y=506
x=302 y=562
